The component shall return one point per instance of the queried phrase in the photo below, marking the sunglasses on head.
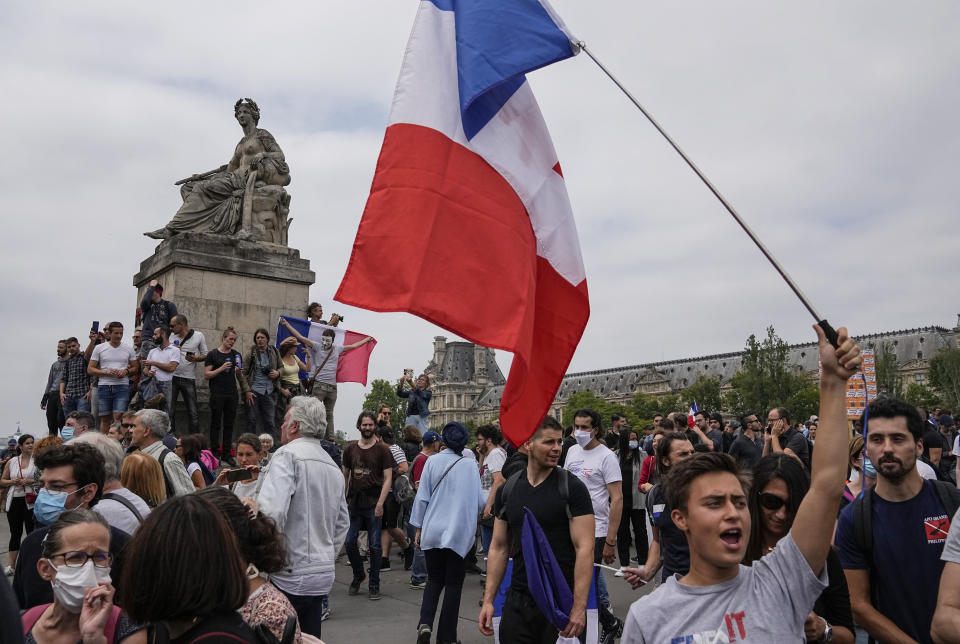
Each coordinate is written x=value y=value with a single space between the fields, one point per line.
x=771 y=501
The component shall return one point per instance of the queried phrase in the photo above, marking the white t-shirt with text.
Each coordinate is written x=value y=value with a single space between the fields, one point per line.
x=597 y=468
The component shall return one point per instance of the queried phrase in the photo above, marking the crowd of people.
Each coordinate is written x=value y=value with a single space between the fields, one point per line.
x=125 y=528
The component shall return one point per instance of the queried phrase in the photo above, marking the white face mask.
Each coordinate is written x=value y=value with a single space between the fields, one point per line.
x=633 y=444
x=72 y=582
x=583 y=438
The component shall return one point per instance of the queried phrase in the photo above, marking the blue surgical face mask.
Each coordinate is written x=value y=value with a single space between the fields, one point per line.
x=868 y=468
x=66 y=433
x=48 y=506
x=633 y=444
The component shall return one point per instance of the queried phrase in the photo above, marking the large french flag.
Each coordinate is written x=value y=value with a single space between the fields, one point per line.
x=469 y=199
x=351 y=367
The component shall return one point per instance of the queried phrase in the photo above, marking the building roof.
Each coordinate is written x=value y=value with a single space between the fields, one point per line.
x=908 y=344
x=458 y=364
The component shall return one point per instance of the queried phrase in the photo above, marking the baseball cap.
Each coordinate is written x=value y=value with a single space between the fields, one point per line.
x=13 y=441
x=430 y=437
x=946 y=420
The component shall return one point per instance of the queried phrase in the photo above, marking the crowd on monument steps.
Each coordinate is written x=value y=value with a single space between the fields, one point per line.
x=763 y=528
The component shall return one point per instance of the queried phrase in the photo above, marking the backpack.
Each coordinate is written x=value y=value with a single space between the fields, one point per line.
x=403 y=490
x=110 y=496
x=564 y=485
x=863 y=523
x=208 y=476
x=166 y=480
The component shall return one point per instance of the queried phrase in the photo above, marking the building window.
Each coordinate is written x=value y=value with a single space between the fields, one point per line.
x=449 y=400
x=920 y=378
x=459 y=400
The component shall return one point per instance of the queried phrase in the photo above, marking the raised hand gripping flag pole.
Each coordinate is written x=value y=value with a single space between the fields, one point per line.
x=468 y=224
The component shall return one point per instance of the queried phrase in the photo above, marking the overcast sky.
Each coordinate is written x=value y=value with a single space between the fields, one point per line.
x=831 y=127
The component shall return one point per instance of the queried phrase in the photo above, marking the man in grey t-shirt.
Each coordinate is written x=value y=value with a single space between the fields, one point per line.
x=721 y=600
x=946 y=621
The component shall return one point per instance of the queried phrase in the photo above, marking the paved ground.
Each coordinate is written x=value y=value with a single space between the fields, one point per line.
x=393 y=619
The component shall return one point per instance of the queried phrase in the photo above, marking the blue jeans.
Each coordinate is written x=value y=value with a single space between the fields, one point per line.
x=364 y=520
x=309 y=609
x=420 y=422
x=75 y=403
x=112 y=399
x=418 y=574
x=486 y=536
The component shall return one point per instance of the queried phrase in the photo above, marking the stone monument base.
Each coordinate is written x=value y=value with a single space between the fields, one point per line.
x=218 y=281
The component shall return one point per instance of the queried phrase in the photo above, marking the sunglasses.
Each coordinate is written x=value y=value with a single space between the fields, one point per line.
x=127 y=425
x=771 y=501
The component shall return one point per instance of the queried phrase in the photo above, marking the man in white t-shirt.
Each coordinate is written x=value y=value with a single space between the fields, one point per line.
x=113 y=363
x=491 y=478
x=325 y=356
x=597 y=466
x=720 y=600
x=193 y=350
x=161 y=363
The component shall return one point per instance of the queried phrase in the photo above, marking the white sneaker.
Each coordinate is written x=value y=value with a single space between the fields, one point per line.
x=9 y=571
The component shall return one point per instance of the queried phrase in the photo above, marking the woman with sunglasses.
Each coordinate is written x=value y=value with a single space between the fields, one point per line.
x=76 y=561
x=780 y=482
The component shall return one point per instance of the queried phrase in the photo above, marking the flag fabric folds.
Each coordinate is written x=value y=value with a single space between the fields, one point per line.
x=352 y=365
x=468 y=223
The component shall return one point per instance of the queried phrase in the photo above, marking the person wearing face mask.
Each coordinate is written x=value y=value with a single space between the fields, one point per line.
x=779 y=484
x=72 y=479
x=596 y=465
x=634 y=501
x=76 y=565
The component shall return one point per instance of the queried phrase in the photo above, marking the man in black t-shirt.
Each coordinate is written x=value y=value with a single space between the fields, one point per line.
x=779 y=436
x=223 y=372
x=744 y=448
x=568 y=525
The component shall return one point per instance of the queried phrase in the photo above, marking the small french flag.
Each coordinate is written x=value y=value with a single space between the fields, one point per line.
x=694 y=410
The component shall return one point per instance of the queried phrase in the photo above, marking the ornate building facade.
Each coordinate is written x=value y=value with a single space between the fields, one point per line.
x=467 y=383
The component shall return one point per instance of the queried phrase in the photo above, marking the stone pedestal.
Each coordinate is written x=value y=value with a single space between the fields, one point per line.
x=218 y=281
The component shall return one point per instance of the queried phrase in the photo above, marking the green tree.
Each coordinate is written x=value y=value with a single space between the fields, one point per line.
x=589 y=400
x=706 y=391
x=765 y=379
x=945 y=376
x=888 y=370
x=382 y=392
x=921 y=396
x=803 y=403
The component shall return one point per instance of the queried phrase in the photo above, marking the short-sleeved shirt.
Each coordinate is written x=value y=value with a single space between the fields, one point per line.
x=745 y=451
x=110 y=357
x=492 y=463
x=597 y=468
x=951 y=548
x=195 y=344
x=328 y=374
x=796 y=443
x=225 y=382
x=766 y=602
x=164 y=356
x=932 y=439
x=550 y=511
x=674 y=549
x=399 y=458
x=908 y=541
x=365 y=468
x=418 y=464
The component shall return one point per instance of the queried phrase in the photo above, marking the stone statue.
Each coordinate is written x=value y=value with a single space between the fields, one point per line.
x=245 y=197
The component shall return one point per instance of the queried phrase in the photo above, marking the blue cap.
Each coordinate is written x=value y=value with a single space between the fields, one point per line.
x=455 y=436
x=430 y=437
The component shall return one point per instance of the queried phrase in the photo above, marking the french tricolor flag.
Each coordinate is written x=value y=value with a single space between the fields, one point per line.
x=694 y=410
x=468 y=223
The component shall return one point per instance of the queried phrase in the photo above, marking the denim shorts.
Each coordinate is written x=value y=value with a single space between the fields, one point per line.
x=112 y=399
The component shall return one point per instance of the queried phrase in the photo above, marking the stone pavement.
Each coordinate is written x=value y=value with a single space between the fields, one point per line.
x=393 y=619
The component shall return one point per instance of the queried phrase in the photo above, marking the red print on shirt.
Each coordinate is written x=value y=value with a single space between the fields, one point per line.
x=936 y=528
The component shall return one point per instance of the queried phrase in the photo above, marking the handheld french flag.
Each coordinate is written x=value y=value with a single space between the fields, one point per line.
x=469 y=184
x=694 y=410
x=351 y=365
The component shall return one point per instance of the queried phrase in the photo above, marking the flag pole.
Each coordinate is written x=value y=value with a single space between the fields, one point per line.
x=822 y=322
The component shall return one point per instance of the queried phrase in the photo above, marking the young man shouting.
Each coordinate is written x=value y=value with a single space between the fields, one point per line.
x=768 y=602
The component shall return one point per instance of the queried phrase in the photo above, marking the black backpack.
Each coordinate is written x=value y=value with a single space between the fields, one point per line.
x=564 y=485
x=166 y=480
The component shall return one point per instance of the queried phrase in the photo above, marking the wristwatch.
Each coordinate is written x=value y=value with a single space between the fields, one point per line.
x=827 y=632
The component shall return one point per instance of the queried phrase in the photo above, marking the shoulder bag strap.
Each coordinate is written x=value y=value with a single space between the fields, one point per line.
x=316 y=371
x=444 y=475
x=124 y=502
